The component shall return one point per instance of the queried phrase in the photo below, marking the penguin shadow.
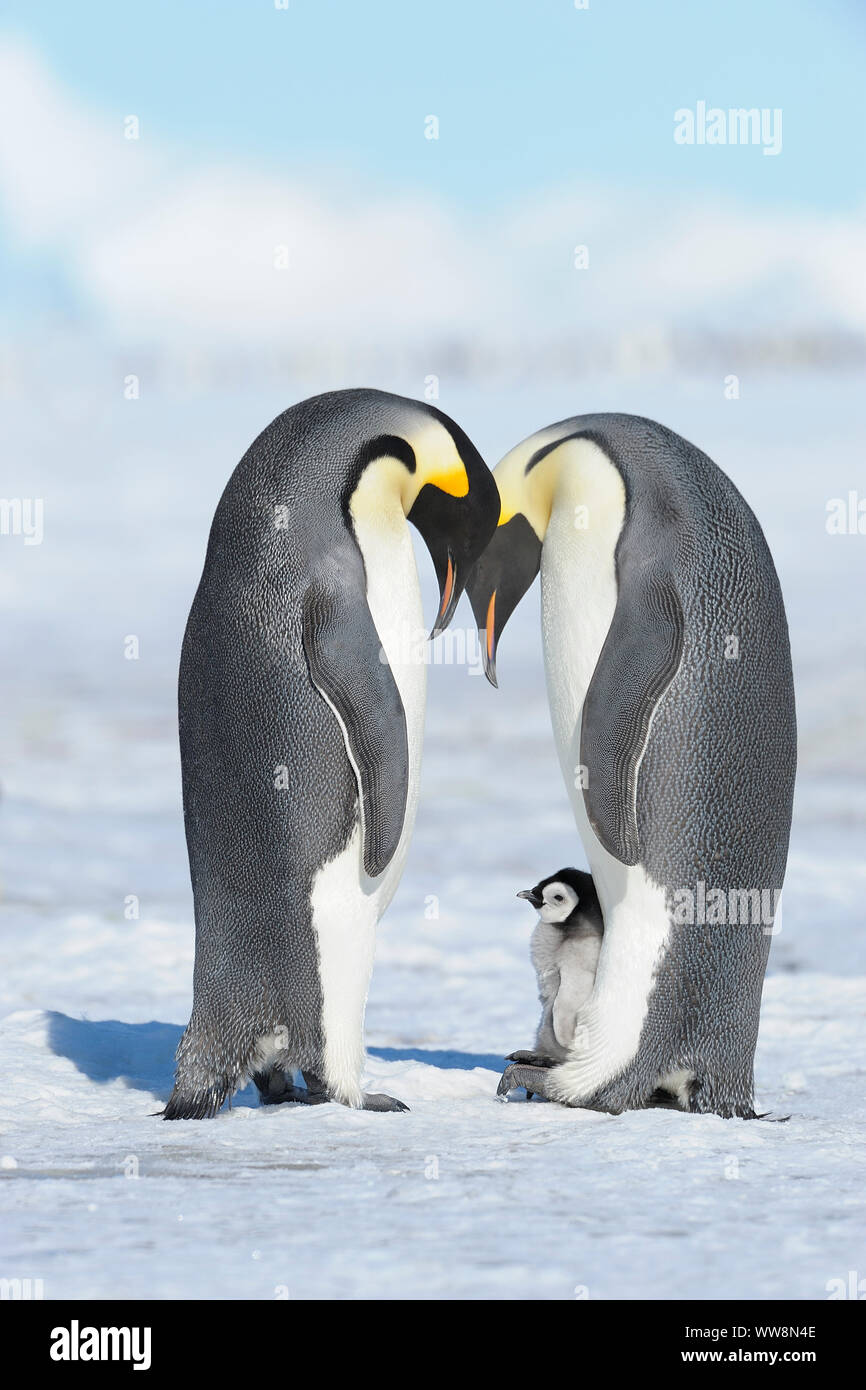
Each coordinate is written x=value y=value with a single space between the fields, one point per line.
x=141 y=1055
x=444 y=1059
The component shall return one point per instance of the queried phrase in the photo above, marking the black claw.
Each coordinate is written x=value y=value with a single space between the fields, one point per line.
x=372 y=1100
x=532 y=1079
x=531 y=1059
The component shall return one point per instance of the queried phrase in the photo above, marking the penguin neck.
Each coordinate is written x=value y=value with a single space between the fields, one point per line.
x=377 y=499
x=587 y=497
x=394 y=600
x=393 y=593
x=578 y=584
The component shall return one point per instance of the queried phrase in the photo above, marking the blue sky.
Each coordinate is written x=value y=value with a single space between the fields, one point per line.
x=528 y=93
x=306 y=127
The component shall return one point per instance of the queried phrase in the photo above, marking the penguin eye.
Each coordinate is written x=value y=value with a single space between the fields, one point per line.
x=557 y=897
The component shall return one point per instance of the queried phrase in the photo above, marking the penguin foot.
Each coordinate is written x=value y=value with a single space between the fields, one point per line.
x=376 y=1101
x=293 y=1095
x=534 y=1079
x=532 y=1059
x=277 y=1088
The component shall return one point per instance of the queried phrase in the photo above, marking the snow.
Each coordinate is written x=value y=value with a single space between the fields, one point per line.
x=466 y=1196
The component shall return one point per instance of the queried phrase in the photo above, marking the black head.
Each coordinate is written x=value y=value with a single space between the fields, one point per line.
x=445 y=488
x=526 y=479
x=564 y=897
x=500 y=579
x=456 y=519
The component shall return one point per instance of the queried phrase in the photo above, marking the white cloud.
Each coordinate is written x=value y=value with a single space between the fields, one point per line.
x=161 y=253
x=63 y=170
x=206 y=256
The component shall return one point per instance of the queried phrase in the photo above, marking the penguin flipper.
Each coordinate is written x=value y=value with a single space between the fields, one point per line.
x=347 y=665
x=639 y=659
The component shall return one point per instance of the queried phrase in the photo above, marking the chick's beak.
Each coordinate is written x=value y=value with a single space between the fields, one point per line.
x=531 y=896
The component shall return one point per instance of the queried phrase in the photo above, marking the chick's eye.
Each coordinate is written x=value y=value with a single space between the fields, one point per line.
x=557 y=897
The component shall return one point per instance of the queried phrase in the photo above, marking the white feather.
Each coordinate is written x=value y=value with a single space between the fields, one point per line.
x=346 y=903
x=579 y=593
x=565 y=966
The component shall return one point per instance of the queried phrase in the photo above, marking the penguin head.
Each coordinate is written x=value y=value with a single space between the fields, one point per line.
x=526 y=478
x=560 y=899
x=444 y=487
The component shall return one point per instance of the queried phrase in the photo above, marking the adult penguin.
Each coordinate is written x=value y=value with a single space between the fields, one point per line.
x=302 y=689
x=669 y=682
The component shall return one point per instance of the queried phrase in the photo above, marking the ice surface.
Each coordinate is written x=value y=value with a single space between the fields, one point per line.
x=465 y=1196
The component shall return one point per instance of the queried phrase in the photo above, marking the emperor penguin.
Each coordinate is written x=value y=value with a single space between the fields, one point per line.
x=564 y=949
x=671 y=697
x=301 y=704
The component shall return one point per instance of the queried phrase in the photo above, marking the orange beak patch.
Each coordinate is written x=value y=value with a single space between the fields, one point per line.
x=454 y=481
x=491 y=625
x=448 y=590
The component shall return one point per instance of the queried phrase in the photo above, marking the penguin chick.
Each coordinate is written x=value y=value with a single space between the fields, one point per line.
x=564 y=949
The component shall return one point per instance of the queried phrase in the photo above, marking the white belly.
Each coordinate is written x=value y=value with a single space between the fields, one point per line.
x=394 y=599
x=566 y=969
x=577 y=981
x=346 y=902
x=579 y=595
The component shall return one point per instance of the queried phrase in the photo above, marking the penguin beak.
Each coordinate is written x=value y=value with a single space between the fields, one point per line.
x=499 y=580
x=491 y=637
x=449 y=596
x=456 y=530
x=532 y=897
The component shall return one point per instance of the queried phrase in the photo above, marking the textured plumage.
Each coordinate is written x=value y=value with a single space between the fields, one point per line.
x=300 y=739
x=564 y=950
x=671 y=692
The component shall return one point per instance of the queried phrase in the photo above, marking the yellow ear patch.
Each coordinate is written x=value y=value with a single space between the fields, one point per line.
x=454 y=481
x=521 y=494
x=437 y=461
x=576 y=472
